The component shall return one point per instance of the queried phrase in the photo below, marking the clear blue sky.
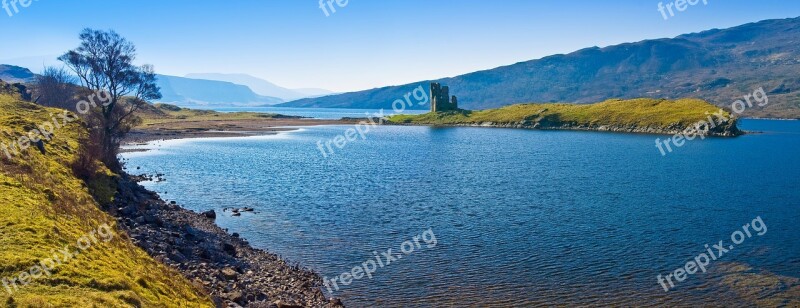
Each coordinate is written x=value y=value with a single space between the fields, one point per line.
x=367 y=43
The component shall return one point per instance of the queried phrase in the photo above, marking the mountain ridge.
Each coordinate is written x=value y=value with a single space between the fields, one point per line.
x=261 y=86
x=176 y=90
x=183 y=92
x=717 y=65
x=16 y=74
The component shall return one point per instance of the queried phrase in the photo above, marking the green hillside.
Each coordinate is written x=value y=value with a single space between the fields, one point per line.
x=46 y=208
x=636 y=115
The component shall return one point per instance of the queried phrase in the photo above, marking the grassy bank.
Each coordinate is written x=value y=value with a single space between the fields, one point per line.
x=46 y=207
x=618 y=115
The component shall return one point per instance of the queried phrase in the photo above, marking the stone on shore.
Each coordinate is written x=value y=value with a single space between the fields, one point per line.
x=210 y=214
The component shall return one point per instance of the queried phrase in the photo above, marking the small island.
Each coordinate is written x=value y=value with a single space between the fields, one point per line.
x=642 y=115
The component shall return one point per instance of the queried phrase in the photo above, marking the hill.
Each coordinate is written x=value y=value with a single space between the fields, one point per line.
x=645 y=115
x=176 y=90
x=16 y=74
x=200 y=92
x=59 y=248
x=718 y=66
x=263 y=87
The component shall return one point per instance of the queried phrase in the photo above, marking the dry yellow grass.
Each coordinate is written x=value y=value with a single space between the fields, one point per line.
x=45 y=208
x=642 y=112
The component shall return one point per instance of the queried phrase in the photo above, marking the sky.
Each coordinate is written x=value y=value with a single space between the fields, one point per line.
x=363 y=44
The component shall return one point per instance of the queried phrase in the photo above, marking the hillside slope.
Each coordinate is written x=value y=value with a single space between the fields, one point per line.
x=199 y=92
x=718 y=66
x=16 y=74
x=261 y=86
x=49 y=215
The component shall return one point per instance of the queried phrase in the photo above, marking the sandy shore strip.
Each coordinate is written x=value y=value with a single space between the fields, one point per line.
x=223 y=128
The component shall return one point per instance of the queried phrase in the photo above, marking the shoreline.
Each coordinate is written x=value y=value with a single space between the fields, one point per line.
x=772 y=119
x=226 y=266
x=222 y=128
x=211 y=129
x=599 y=129
x=271 y=126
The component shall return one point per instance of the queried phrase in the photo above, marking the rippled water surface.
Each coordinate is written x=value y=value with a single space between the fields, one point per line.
x=521 y=217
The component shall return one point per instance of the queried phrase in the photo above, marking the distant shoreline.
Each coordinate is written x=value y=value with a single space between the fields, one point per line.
x=771 y=119
x=273 y=126
x=644 y=115
x=222 y=128
x=568 y=128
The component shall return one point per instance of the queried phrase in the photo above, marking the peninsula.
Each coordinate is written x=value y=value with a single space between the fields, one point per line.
x=644 y=115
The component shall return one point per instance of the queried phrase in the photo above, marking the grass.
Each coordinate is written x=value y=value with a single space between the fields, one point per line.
x=45 y=207
x=635 y=112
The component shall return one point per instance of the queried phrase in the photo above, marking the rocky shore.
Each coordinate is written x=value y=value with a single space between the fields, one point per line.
x=225 y=265
x=729 y=129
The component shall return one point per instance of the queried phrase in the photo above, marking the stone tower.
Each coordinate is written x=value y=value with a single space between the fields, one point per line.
x=440 y=98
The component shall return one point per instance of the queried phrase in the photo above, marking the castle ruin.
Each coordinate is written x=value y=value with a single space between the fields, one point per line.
x=441 y=100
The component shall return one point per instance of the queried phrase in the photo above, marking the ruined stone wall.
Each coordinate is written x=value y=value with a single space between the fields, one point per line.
x=440 y=98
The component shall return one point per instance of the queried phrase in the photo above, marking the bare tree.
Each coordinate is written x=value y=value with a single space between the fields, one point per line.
x=104 y=65
x=55 y=87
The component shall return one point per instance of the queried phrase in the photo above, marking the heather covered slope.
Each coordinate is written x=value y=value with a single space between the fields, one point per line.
x=718 y=66
x=46 y=208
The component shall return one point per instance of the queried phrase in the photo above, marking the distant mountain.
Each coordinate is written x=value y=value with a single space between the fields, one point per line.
x=16 y=74
x=314 y=92
x=176 y=90
x=35 y=63
x=720 y=66
x=263 y=87
x=199 y=92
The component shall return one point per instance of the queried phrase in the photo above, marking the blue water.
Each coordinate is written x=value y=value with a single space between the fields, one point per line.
x=317 y=113
x=520 y=217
